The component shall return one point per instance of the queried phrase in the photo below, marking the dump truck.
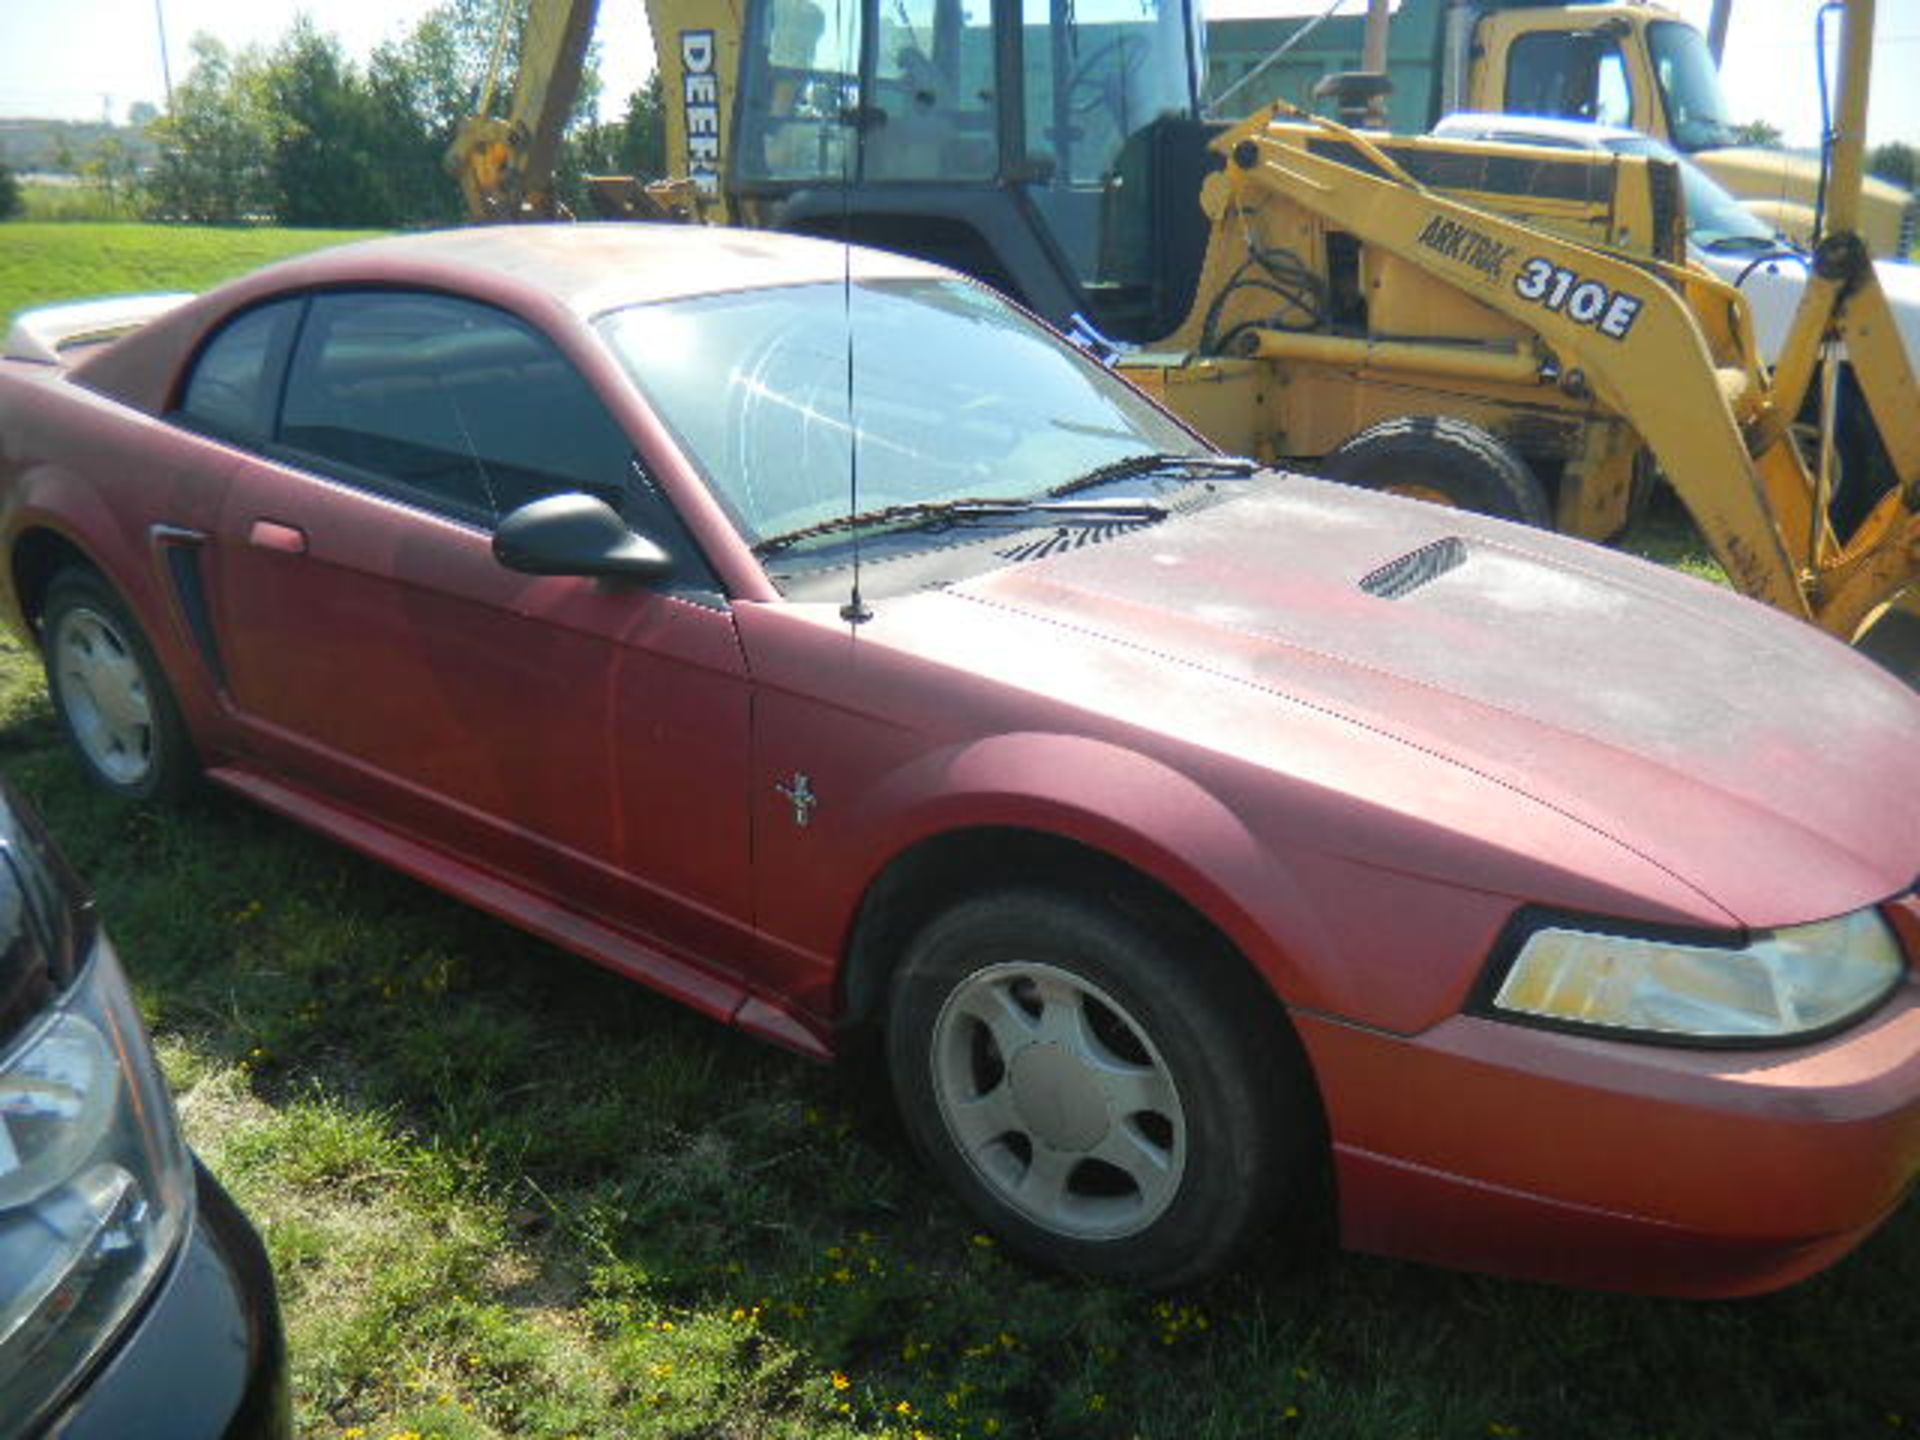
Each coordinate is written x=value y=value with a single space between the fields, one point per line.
x=1637 y=65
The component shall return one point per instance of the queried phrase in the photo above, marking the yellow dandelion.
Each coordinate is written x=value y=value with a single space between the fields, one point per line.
x=840 y=1381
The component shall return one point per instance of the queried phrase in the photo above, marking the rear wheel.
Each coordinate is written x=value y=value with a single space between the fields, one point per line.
x=110 y=693
x=1443 y=460
x=1100 y=1098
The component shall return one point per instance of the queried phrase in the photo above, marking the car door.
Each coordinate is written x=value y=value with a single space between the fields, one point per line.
x=586 y=739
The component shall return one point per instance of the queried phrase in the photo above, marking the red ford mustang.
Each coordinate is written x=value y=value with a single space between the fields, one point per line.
x=816 y=639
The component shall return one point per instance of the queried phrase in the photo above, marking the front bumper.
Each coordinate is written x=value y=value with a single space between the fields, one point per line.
x=204 y=1357
x=1615 y=1165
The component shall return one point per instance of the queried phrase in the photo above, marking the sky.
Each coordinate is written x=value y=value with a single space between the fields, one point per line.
x=81 y=59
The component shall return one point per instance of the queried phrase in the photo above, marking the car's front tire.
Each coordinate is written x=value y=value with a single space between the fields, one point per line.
x=110 y=693
x=1107 y=1101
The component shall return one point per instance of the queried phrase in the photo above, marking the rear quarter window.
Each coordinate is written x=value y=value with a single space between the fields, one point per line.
x=234 y=384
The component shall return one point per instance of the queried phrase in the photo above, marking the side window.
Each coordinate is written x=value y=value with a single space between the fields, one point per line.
x=799 y=81
x=1574 y=74
x=447 y=404
x=232 y=388
x=933 y=82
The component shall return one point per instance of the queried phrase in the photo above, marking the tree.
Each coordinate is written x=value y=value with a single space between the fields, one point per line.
x=1763 y=134
x=113 y=168
x=1897 y=162
x=216 y=140
x=423 y=86
x=332 y=138
x=12 y=202
x=643 y=144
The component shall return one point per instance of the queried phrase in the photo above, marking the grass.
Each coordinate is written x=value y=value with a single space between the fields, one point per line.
x=508 y=1194
x=42 y=262
x=82 y=201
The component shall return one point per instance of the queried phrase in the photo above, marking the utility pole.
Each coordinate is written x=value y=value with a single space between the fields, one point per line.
x=166 y=70
x=1373 y=56
x=1717 y=28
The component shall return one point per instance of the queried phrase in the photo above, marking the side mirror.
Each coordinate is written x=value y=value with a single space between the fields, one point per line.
x=575 y=534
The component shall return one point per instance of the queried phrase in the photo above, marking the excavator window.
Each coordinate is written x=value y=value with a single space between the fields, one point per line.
x=933 y=92
x=793 y=111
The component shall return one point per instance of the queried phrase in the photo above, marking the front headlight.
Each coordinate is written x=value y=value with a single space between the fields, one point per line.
x=1782 y=984
x=95 y=1184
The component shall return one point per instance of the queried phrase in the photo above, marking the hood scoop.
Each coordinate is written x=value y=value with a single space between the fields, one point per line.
x=1399 y=578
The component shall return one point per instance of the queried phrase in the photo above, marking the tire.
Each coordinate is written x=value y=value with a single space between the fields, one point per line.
x=110 y=693
x=1448 y=461
x=1107 y=1104
x=1894 y=644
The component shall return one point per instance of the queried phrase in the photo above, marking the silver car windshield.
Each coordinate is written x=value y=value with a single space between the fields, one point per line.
x=955 y=395
x=1715 y=220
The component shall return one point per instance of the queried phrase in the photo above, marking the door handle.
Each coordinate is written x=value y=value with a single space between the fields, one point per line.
x=272 y=535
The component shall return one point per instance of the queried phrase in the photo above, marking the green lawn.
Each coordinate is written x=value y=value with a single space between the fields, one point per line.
x=508 y=1194
x=45 y=262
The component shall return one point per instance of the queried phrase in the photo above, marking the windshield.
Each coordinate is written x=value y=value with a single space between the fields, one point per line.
x=956 y=395
x=1689 y=87
x=1715 y=220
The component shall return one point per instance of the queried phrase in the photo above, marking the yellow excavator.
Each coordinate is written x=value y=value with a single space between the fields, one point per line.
x=1511 y=329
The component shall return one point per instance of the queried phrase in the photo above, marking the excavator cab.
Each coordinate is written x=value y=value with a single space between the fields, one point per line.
x=1048 y=146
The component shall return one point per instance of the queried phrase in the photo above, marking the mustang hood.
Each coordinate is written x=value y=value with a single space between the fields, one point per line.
x=1752 y=757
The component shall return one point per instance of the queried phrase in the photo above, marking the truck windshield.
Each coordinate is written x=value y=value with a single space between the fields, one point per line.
x=1689 y=87
x=955 y=395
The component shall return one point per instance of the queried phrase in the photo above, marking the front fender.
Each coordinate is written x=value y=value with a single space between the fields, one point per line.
x=1120 y=803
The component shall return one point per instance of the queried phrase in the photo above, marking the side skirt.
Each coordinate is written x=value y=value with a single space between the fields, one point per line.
x=537 y=914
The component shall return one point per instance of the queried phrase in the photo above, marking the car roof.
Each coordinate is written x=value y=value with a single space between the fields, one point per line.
x=595 y=267
x=540 y=271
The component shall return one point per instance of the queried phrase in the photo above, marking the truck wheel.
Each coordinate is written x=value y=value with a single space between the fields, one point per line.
x=110 y=694
x=1105 y=1104
x=1447 y=461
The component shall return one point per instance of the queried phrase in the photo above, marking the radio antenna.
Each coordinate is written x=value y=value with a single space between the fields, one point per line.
x=853 y=117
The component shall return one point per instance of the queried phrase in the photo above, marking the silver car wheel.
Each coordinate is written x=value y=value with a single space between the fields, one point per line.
x=103 y=691
x=1059 y=1100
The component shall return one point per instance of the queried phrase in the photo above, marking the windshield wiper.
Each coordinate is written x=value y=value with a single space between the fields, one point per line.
x=932 y=512
x=1131 y=467
x=1768 y=245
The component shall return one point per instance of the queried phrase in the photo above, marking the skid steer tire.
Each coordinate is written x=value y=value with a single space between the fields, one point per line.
x=1447 y=461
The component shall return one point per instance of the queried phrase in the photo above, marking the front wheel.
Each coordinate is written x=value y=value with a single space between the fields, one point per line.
x=1446 y=461
x=1107 y=1102
x=110 y=693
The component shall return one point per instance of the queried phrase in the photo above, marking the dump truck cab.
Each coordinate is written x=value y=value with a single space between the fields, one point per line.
x=1639 y=65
